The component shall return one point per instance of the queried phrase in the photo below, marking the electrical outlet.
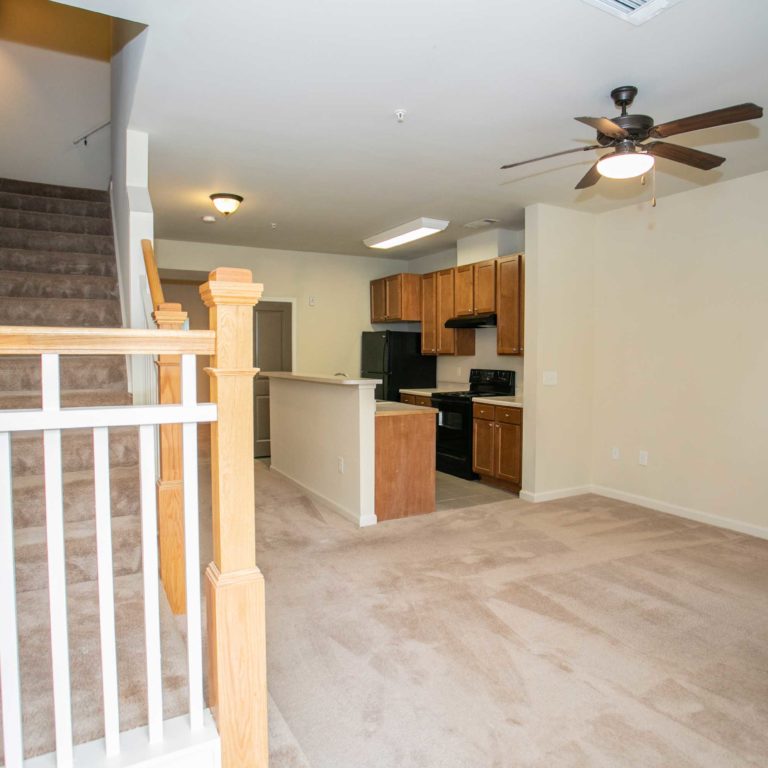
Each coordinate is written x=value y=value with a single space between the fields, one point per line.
x=615 y=453
x=642 y=459
x=341 y=465
x=458 y=372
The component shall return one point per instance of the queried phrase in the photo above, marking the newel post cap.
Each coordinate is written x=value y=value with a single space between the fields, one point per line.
x=227 y=285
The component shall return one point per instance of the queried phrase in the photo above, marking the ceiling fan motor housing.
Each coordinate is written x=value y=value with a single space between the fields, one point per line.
x=637 y=126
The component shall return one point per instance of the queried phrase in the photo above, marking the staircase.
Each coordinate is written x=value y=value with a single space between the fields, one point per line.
x=57 y=268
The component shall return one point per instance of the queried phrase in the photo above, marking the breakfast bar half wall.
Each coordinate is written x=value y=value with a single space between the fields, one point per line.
x=326 y=438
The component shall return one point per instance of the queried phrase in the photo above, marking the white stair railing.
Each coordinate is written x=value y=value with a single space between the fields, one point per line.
x=141 y=745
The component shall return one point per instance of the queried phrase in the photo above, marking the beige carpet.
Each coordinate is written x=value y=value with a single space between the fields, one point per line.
x=579 y=633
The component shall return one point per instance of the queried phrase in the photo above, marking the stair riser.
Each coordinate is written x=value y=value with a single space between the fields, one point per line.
x=15 y=202
x=32 y=559
x=35 y=240
x=53 y=190
x=77 y=372
x=42 y=286
x=55 y=222
x=82 y=313
x=21 y=260
x=29 y=502
x=76 y=450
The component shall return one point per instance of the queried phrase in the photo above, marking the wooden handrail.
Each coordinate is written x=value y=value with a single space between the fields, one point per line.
x=153 y=277
x=39 y=340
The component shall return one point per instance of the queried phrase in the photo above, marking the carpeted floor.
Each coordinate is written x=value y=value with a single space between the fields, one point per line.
x=585 y=632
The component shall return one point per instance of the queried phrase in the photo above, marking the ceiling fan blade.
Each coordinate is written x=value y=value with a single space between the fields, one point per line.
x=605 y=126
x=694 y=157
x=724 y=116
x=590 y=178
x=554 y=154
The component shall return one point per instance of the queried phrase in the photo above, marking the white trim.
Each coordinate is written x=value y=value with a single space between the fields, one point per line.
x=351 y=515
x=560 y=493
x=658 y=505
x=180 y=748
x=680 y=511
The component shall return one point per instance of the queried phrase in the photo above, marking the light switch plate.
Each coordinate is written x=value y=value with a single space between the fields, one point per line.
x=550 y=378
x=642 y=459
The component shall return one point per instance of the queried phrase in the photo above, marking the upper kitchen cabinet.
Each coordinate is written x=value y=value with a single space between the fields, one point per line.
x=438 y=305
x=396 y=298
x=510 y=301
x=475 y=288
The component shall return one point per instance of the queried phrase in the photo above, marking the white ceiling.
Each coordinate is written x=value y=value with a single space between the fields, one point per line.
x=291 y=103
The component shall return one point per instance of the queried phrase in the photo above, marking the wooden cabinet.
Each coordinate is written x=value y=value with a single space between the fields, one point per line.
x=424 y=400
x=475 y=287
x=510 y=304
x=438 y=305
x=429 y=314
x=396 y=298
x=497 y=443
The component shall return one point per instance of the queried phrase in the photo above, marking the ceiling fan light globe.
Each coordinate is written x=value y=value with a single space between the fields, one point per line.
x=625 y=165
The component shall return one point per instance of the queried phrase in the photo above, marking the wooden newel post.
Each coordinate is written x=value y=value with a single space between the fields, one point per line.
x=170 y=486
x=237 y=677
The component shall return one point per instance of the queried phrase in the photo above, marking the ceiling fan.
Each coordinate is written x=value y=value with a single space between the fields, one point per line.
x=626 y=134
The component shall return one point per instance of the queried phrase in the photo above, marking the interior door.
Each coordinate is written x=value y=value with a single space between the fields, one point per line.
x=271 y=352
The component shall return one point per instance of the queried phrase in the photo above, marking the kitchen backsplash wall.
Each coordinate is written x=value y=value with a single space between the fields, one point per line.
x=457 y=368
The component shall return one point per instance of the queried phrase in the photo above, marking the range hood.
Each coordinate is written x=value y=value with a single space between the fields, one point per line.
x=485 y=320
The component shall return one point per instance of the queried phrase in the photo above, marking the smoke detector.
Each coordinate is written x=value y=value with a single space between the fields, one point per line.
x=633 y=11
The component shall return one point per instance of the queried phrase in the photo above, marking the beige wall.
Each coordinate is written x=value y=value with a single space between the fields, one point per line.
x=327 y=334
x=559 y=338
x=681 y=351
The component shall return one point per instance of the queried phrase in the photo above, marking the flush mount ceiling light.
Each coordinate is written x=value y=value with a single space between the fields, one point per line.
x=226 y=202
x=406 y=233
x=625 y=163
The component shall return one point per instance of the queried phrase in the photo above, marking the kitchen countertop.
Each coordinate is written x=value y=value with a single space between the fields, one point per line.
x=388 y=408
x=321 y=379
x=515 y=401
x=442 y=386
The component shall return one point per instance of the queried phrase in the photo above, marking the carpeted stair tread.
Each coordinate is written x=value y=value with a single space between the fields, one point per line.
x=81 y=313
x=76 y=450
x=43 y=285
x=39 y=240
x=78 y=493
x=72 y=263
x=19 y=187
x=55 y=222
x=74 y=398
x=85 y=662
x=22 y=372
x=60 y=205
x=31 y=546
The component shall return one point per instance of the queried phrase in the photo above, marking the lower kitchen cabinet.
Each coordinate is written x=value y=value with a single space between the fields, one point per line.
x=497 y=443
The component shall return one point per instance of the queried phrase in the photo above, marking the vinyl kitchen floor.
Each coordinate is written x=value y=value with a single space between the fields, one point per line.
x=456 y=493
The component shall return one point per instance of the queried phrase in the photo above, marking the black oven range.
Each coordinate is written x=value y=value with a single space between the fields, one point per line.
x=454 y=419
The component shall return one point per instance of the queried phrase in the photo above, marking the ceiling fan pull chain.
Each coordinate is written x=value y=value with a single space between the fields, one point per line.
x=653 y=186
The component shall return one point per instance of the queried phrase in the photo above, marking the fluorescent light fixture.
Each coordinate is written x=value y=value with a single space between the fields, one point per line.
x=625 y=164
x=406 y=233
x=226 y=202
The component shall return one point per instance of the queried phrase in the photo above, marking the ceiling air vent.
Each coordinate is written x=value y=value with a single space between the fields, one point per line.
x=480 y=223
x=633 y=11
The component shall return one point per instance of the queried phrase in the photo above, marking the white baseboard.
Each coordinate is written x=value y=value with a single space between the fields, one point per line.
x=560 y=493
x=655 y=504
x=361 y=520
x=686 y=512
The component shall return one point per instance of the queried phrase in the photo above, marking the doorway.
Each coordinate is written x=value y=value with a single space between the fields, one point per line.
x=272 y=345
x=272 y=351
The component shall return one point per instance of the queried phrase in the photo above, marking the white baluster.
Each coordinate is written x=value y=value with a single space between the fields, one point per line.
x=13 y=743
x=106 y=590
x=192 y=546
x=151 y=582
x=57 y=573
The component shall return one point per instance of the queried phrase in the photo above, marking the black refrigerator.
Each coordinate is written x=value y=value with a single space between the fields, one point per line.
x=395 y=358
